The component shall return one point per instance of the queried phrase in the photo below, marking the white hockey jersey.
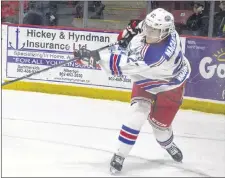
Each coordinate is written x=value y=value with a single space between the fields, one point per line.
x=155 y=67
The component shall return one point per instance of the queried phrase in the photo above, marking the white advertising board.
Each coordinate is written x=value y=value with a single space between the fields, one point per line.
x=31 y=49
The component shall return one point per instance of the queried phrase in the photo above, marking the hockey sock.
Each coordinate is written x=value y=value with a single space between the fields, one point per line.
x=164 y=136
x=131 y=129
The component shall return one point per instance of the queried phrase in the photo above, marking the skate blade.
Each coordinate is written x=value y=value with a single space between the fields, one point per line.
x=113 y=171
x=178 y=162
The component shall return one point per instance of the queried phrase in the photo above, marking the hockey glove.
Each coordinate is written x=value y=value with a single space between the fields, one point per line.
x=127 y=34
x=87 y=56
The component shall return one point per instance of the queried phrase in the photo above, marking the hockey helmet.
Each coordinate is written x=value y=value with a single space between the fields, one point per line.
x=158 y=25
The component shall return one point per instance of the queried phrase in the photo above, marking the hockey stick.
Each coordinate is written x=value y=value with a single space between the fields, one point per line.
x=48 y=68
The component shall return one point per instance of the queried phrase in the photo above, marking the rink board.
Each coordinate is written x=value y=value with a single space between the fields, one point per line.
x=205 y=90
x=124 y=96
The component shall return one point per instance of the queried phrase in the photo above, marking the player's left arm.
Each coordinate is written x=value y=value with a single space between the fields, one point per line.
x=121 y=64
x=116 y=64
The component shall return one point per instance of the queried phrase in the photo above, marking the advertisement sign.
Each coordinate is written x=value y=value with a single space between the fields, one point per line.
x=207 y=58
x=32 y=49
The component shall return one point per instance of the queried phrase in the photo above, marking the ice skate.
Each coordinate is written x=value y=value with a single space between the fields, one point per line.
x=116 y=164
x=175 y=153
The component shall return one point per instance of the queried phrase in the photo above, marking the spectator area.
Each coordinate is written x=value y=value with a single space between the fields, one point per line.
x=116 y=14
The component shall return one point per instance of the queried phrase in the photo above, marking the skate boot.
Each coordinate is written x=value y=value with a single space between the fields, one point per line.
x=116 y=164
x=175 y=153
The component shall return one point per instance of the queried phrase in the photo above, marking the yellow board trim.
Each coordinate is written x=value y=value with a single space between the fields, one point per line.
x=124 y=96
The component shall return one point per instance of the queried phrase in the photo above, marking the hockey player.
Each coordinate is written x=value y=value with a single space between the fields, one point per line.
x=159 y=69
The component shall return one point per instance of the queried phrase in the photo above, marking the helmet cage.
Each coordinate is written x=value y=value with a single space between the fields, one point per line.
x=156 y=32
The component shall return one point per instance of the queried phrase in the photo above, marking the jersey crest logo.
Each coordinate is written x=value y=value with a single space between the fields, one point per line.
x=167 y=18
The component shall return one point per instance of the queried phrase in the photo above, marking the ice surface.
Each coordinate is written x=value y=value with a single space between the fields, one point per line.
x=52 y=135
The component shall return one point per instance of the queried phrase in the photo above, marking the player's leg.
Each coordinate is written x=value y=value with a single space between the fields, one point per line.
x=163 y=112
x=129 y=132
x=139 y=112
x=165 y=138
